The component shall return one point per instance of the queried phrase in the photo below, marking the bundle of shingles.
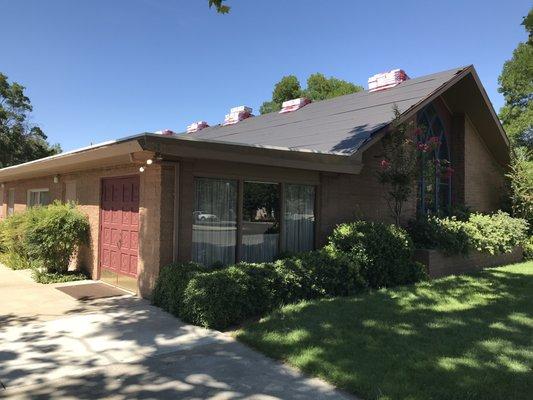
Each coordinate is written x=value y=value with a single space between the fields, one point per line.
x=386 y=80
x=197 y=126
x=293 y=105
x=237 y=114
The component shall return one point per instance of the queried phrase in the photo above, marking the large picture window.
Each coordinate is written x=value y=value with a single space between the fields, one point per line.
x=299 y=218
x=220 y=223
x=260 y=221
x=214 y=230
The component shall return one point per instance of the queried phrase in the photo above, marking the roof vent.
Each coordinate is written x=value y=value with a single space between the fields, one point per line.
x=166 y=132
x=386 y=80
x=237 y=114
x=197 y=126
x=293 y=105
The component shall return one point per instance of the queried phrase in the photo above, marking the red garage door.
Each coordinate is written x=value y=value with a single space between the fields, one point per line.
x=119 y=227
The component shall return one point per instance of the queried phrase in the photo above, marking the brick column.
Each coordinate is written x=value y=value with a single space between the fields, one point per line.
x=458 y=159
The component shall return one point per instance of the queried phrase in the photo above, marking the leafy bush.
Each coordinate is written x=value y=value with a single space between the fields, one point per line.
x=528 y=248
x=229 y=296
x=495 y=233
x=45 y=277
x=13 y=239
x=55 y=233
x=446 y=234
x=383 y=252
x=172 y=281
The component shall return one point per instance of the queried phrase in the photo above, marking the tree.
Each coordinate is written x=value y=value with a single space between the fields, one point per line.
x=516 y=85
x=19 y=141
x=321 y=88
x=398 y=166
x=219 y=7
x=521 y=185
x=286 y=89
x=318 y=88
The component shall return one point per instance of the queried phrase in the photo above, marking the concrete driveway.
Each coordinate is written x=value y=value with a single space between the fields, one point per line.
x=124 y=348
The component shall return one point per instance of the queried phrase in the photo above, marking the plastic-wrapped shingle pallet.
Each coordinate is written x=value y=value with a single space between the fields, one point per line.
x=386 y=80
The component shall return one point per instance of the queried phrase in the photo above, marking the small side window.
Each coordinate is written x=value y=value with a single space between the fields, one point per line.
x=10 y=201
x=38 y=197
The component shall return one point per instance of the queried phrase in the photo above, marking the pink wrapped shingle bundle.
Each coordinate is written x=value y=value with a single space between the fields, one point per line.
x=165 y=132
x=294 y=104
x=386 y=80
x=197 y=126
x=237 y=114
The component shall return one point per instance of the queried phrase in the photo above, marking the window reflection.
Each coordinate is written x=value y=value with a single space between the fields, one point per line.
x=260 y=227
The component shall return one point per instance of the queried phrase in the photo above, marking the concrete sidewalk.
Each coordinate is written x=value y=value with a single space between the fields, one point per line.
x=52 y=346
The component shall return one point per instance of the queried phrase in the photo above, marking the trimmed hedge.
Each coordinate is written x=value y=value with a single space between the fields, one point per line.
x=492 y=234
x=220 y=298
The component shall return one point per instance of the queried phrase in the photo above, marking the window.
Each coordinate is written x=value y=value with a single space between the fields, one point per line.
x=10 y=201
x=299 y=218
x=435 y=179
x=214 y=234
x=260 y=221
x=38 y=197
x=217 y=220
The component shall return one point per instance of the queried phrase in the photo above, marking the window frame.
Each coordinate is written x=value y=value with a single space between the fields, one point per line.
x=38 y=191
x=240 y=205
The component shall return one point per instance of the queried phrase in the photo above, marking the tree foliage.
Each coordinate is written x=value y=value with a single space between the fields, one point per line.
x=521 y=184
x=398 y=166
x=516 y=85
x=19 y=140
x=318 y=88
x=219 y=6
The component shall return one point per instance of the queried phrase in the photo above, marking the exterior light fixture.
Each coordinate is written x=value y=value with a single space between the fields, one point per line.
x=149 y=161
x=56 y=179
x=141 y=169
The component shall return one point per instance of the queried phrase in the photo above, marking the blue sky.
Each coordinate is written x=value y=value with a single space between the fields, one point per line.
x=97 y=70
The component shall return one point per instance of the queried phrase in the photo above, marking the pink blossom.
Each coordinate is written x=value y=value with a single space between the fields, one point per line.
x=385 y=164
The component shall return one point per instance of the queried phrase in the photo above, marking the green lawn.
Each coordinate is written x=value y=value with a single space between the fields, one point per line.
x=464 y=337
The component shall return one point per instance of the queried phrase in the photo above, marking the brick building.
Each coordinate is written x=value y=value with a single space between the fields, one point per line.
x=252 y=188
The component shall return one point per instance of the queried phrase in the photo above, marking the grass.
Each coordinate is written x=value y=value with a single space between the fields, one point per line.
x=460 y=337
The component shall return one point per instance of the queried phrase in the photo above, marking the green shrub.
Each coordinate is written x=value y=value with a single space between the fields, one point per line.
x=449 y=235
x=383 y=252
x=45 y=277
x=226 y=297
x=528 y=248
x=13 y=239
x=496 y=233
x=172 y=281
x=493 y=234
x=54 y=234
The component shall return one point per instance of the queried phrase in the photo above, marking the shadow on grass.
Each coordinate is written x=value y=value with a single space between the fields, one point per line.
x=467 y=337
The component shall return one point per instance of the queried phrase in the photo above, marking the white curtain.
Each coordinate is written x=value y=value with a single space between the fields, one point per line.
x=214 y=221
x=299 y=221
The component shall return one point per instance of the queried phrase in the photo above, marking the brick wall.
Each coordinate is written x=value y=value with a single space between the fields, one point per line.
x=155 y=236
x=484 y=178
x=346 y=197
